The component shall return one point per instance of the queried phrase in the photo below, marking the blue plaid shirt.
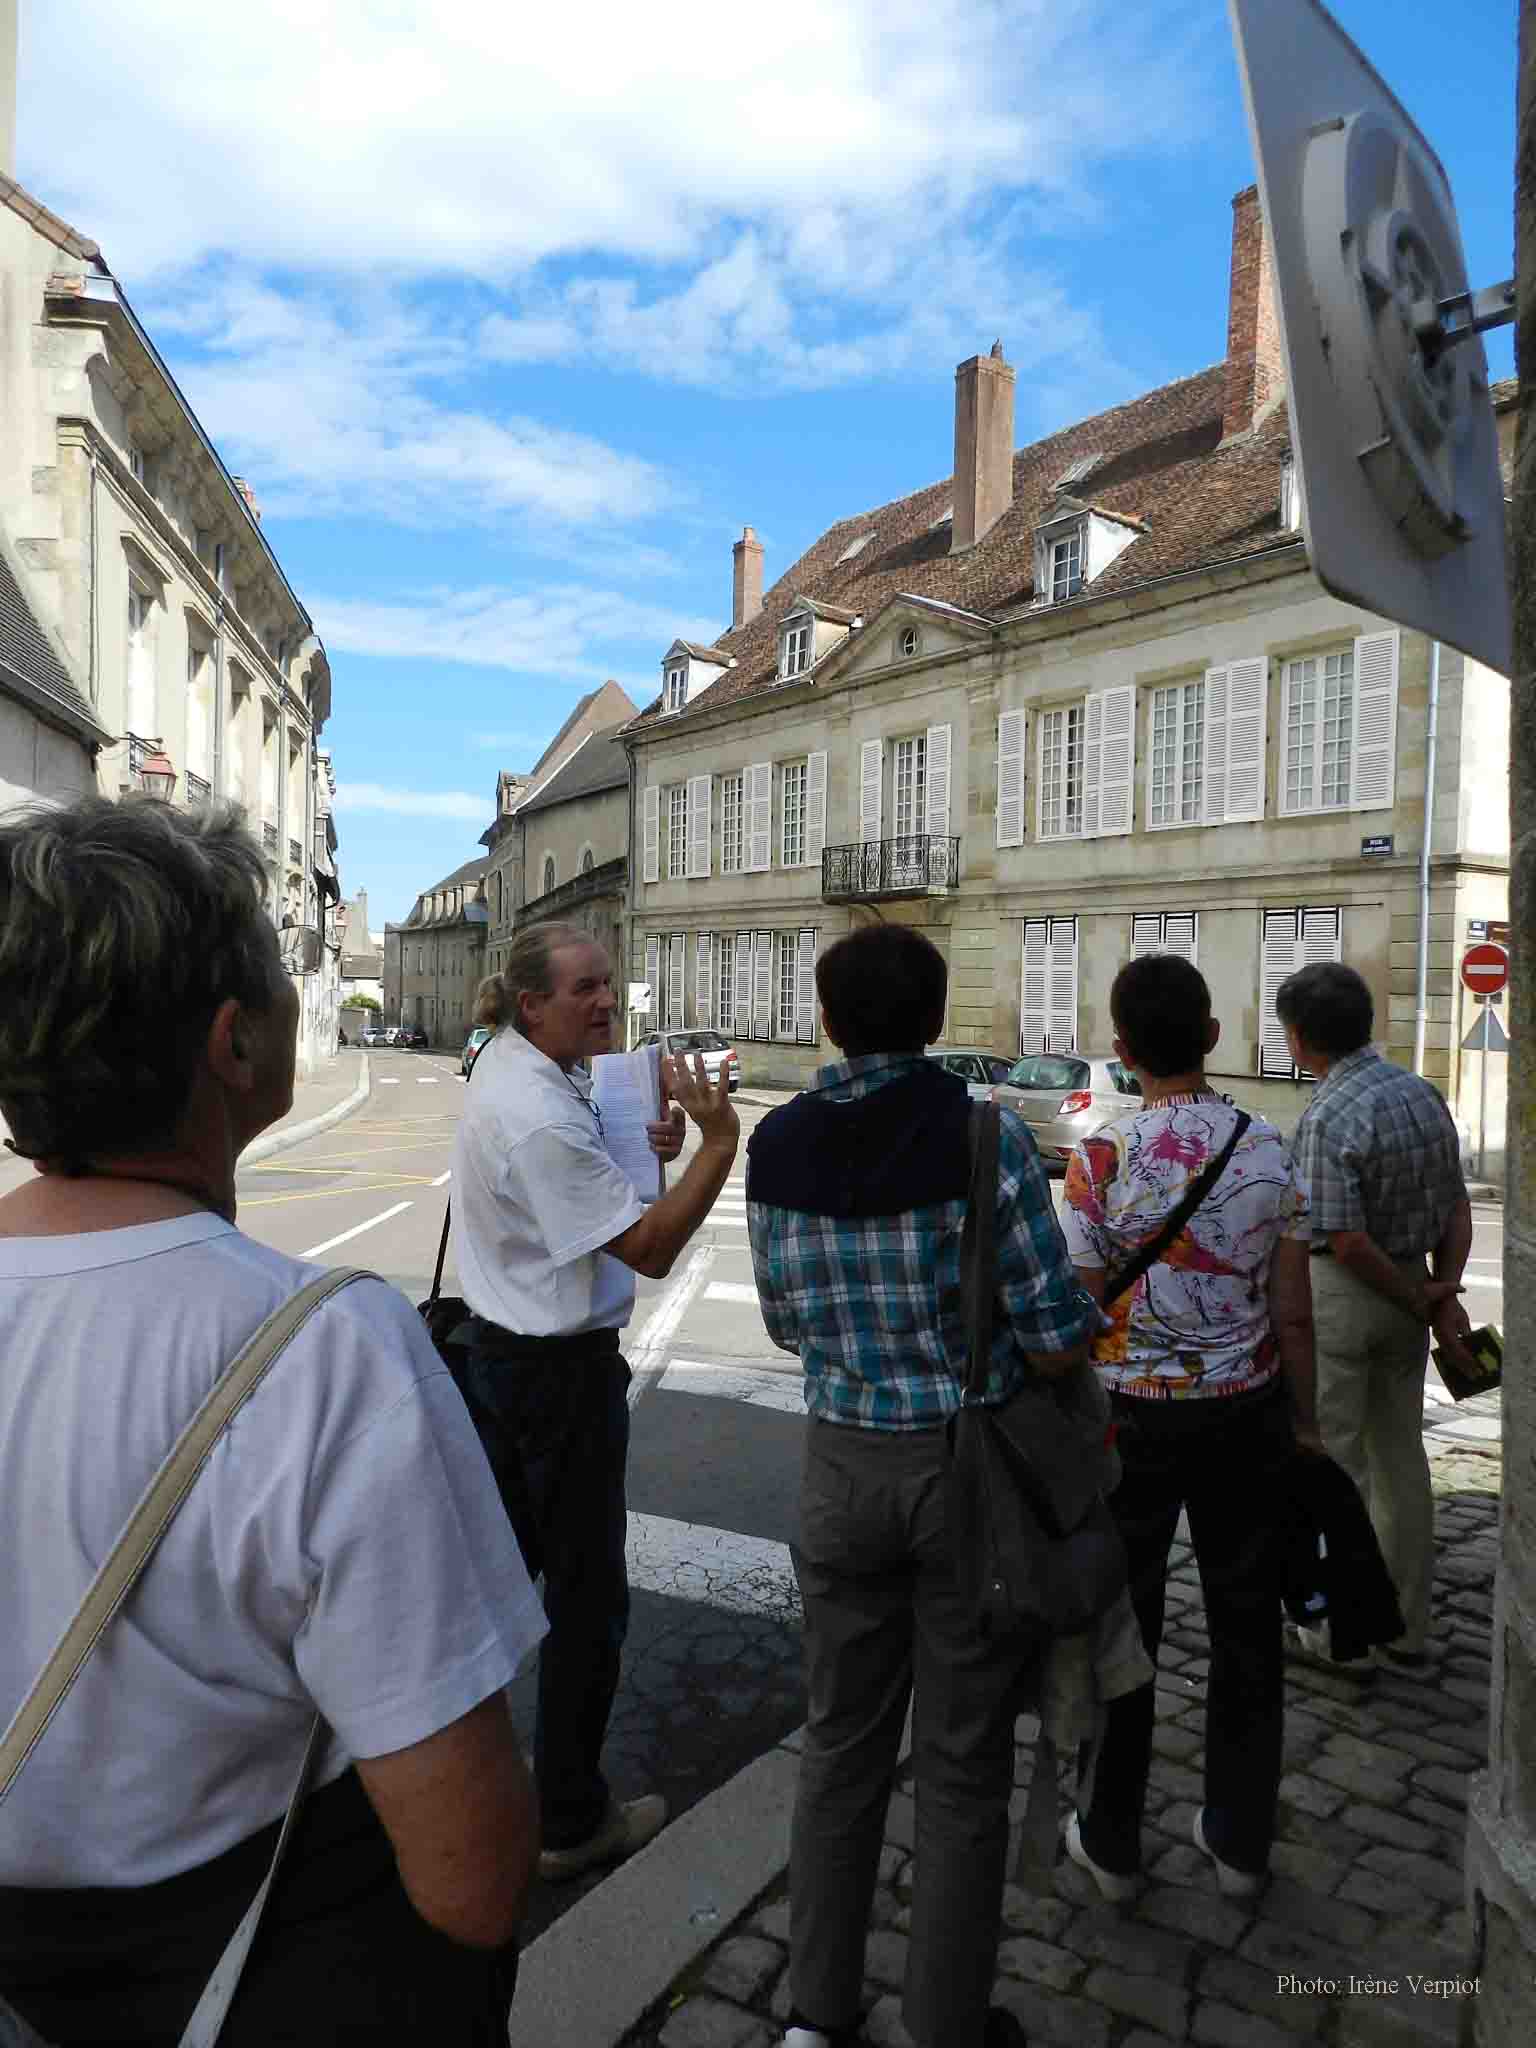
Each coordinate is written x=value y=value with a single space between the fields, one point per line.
x=872 y=1304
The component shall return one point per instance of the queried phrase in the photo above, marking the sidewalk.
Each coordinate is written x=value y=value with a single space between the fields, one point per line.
x=340 y=1086
x=1361 y=1938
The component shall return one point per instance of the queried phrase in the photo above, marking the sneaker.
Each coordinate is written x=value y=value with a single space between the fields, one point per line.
x=1235 y=1883
x=1313 y=1646
x=626 y=1829
x=1412 y=1663
x=1110 y=1883
x=799 y=2035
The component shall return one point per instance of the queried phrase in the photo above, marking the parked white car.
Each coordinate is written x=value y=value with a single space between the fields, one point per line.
x=715 y=1051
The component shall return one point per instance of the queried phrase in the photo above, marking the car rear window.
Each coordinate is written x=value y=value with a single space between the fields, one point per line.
x=1049 y=1070
x=1123 y=1079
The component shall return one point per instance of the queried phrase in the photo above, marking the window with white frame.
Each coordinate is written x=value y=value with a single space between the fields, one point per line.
x=795 y=646
x=549 y=873
x=1066 y=565
x=143 y=719
x=677 y=689
x=909 y=785
x=909 y=643
x=1048 y=985
x=792 y=814
x=732 y=827
x=677 y=831
x=1175 y=772
x=1339 y=719
x=1061 y=772
x=1288 y=940
x=784 y=985
x=725 y=982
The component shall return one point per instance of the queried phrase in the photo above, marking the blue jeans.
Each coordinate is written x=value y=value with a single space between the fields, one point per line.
x=554 y=1421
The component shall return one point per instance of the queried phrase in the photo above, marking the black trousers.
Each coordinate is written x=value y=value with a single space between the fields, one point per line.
x=1221 y=1460
x=554 y=1420
x=342 y=1955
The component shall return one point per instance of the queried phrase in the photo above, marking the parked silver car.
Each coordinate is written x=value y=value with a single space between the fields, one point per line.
x=1065 y=1097
x=715 y=1051
x=980 y=1071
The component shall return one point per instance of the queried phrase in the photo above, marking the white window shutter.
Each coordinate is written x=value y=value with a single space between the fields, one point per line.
x=815 y=808
x=762 y=984
x=937 y=822
x=1034 y=985
x=704 y=981
x=1373 y=756
x=743 y=987
x=653 y=975
x=1247 y=701
x=1061 y=999
x=1093 y=756
x=1321 y=936
x=1146 y=934
x=871 y=775
x=1181 y=934
x=650 y=813
x=759 y=795
x=698 y=825
x=1010 y=779
x=1117 y=759
x=677 y=956
x=1213 y=768
x=805 y=990
x=1279 y=957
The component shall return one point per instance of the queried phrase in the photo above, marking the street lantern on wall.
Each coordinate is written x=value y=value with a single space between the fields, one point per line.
x=157 y=776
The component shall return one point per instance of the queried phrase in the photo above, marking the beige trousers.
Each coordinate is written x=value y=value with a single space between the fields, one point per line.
x=1371 y=1360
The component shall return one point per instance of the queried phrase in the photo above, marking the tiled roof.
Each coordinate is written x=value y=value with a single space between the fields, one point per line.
x=611 y=705
x=1160 y=466
x=599 y=763
x=30 y=669
x=701 y=653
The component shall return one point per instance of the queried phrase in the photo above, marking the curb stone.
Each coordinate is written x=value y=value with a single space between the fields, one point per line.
x=287 y=1136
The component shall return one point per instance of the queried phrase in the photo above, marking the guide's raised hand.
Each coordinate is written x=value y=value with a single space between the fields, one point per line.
x=707 y=1104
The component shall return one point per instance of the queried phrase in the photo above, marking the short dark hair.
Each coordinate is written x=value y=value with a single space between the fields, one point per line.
x=1161 y=1008
x=883 y=989
x=1328 y=1006
x=123 y=927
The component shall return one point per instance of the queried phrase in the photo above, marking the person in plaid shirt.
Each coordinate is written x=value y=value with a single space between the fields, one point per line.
x=1381 y=1155
x=856 y=1197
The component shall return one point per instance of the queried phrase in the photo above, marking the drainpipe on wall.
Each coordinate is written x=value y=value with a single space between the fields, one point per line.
x=93 y=681
x=1421 y=984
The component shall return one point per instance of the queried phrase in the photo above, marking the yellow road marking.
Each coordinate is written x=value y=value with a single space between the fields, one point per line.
x=380 y=1187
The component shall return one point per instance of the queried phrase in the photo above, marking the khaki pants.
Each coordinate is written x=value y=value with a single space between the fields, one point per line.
x=1371 y=1360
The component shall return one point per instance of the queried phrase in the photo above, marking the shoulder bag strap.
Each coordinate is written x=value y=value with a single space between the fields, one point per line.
x=115 y=1580
x=442 y=1253
x=1128 y=1274
x=978 y=1247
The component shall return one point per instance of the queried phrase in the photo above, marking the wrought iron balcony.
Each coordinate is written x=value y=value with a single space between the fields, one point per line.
x=198 y=791
x=919 y=864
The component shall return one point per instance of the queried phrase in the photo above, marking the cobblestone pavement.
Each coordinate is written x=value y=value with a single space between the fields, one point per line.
x=1361 y=1936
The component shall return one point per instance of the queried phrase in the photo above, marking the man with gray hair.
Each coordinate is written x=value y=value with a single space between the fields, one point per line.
x=548 y=1235
x=1380 y=1152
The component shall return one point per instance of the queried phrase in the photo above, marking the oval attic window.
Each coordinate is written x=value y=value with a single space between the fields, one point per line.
x=909 y=643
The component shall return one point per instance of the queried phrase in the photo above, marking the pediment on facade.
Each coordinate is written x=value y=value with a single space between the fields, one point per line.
x=907 y=632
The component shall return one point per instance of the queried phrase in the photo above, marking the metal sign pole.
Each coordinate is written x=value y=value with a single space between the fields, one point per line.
x=1482 y=1091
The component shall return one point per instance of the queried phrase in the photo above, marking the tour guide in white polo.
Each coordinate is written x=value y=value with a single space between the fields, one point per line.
x=548 y=1234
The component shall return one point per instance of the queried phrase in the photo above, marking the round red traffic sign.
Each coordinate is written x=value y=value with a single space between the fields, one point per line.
x=1485 y=969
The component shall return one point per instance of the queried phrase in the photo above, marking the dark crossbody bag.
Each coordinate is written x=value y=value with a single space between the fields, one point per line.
x=448 y=1318
x=1036 y=1551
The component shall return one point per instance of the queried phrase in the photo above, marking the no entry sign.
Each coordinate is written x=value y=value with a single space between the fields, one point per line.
x=1485 y=969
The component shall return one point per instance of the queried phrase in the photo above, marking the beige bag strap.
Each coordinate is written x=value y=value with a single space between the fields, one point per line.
x=152 y=1517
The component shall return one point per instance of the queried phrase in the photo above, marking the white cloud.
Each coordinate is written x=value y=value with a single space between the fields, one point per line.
x=415 y=803
x=560 y=631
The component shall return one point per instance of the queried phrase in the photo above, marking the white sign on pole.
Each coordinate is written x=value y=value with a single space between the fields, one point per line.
x=640 y=996
x=1394 y=441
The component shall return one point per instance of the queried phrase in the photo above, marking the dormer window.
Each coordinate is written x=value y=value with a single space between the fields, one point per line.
x=1290 y=495
x=1066 y=565
x=795 y=648
x=677 y=688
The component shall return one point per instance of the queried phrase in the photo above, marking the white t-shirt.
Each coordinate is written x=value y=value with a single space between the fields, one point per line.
x=343 y=1548
x=534 y=1195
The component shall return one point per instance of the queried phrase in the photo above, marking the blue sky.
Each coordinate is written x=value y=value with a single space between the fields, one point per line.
x=513 y=324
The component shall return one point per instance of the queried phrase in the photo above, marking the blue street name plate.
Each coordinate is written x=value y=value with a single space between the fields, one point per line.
x=1378 y=843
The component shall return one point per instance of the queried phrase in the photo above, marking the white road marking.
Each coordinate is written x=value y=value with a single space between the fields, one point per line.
x=728 y=1222
x=389 y=1080
x=356 y=1231
x=757 y=1386
x=442 y=1178
x=647 y=1355
x=690 y=1561
x=731 y=1290
x=426 y=1080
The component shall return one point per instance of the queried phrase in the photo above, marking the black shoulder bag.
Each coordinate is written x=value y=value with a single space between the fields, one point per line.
x=1036 y=1550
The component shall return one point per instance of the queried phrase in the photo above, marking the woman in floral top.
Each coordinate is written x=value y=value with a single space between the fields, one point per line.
x=1208 y=1361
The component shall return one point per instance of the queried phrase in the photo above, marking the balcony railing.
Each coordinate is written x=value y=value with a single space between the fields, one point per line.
x=198 y=791
x=268 y=838
x=920 y=864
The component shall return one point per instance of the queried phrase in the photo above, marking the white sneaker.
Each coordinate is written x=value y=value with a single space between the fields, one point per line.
x=1111 y=1885
x=626 y=1829
x=1235 y=1883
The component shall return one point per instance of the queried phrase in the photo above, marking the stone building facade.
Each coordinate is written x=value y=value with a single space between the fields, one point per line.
x=434 y=962
x=569 y=840
x=1079 y=701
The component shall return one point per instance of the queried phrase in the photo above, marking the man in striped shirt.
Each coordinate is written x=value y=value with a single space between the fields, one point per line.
x=856 y=1197
x=1380 y=1154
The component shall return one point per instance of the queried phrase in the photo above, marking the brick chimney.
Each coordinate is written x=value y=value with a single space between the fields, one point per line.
x=746 y=578
x=249 y=496
x=1255 y=365
x=983 y=446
